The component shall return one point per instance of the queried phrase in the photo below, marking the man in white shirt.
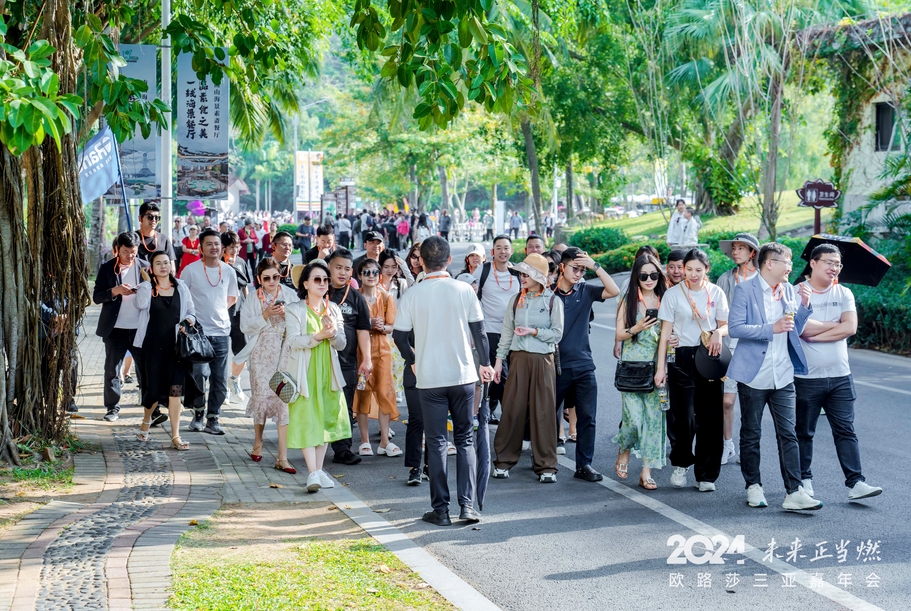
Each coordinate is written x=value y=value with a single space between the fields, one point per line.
x=675 y=227
x=213 y=285
x=496 y=285
x=691 y=225
x=767 y=320
x=828 y=384
x=445 y=316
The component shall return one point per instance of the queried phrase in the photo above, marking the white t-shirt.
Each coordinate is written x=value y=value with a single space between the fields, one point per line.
x=675 y=228
x=211 y=301
x=438 y=310
x=676 y=308
x=497 y=290
x=128 y=317
x=829 y=359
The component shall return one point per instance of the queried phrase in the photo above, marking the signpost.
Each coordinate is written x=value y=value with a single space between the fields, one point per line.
x=818 y=194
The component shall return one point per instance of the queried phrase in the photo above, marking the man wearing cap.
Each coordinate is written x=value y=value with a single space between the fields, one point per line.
x=768 y=315
x=743 y=249
x=373 y=246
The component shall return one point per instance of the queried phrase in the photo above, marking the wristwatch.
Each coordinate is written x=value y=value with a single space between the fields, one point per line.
x=597 y=266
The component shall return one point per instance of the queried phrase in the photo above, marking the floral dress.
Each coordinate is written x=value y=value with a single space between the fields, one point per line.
x=643 y=429
x=265 y=360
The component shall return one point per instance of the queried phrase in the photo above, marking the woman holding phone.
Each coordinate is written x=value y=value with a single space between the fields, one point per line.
x=262 y=321
x=643 y=428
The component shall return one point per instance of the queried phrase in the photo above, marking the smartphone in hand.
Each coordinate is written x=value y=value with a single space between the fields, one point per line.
x=651 y=313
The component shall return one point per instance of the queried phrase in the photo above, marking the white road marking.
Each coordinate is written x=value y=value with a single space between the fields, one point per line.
x=881 y=387
x=597 y=324
x=802 y=577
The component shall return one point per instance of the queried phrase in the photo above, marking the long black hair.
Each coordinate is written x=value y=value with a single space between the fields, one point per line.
x=632 y=292
x=386 y=255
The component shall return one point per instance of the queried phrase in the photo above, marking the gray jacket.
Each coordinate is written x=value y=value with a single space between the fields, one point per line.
x=534 y=313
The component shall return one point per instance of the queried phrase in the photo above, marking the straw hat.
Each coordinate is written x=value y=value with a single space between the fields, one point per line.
x=296 y=272
x=535 y=266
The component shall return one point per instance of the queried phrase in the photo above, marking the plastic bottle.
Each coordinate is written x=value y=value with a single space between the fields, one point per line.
x=671 y=351
x=662 y=398
x=361 y=381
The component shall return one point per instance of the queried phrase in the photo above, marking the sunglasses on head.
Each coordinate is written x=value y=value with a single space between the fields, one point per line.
x=370 y=273
x=652 y=276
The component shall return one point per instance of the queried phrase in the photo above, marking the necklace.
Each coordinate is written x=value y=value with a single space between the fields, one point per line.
x=262 y=295
x=708 y=303
x=151 y=236
x=497 y=280
x=642 y=301
x=205 y=269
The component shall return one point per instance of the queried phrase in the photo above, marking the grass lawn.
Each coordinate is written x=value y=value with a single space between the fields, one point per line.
x=291 y=556
x=792 y=217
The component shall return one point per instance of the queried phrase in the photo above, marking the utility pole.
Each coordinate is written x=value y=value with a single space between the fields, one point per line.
x=167 y=199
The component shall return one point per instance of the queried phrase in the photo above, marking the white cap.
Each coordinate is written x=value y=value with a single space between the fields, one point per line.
x=466 y=277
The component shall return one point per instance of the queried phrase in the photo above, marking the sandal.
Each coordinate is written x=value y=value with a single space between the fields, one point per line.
x=282 y=464
x=144 y=435
x=365 y=449
x=179 y=444
x=391 y=450
x=648 y=483
x=254 y=456
x=622 y=469
x=572 y=437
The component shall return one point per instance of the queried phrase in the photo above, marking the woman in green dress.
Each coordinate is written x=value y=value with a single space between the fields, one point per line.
x=643 y=428
x=315 y=334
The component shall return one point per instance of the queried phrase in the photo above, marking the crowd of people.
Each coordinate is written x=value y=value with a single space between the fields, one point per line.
x=338 y=341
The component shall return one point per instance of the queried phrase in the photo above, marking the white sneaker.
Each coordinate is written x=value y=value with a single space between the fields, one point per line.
x=325 y=480
x=807 y=486
x=705 y=486
x=501 y=473
x=313 y=482
x=235 y=393
x=678 y=477
x=526 y=446
x=800 y=500
x=863 y=490
x=450 y=449
x=756 y=497
x=728 y=452
x=548 y=478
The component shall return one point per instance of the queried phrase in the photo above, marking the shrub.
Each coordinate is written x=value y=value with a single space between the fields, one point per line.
x=599 y=239
x=621 y=259
x=292 y=229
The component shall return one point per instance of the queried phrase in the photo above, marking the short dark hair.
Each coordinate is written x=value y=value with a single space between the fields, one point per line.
x=768 y=249
x=570 y=254
x=148 y=207
x=647 y=249
x=209 y=233
x=229 y=238
x=680 y=201
x=435 y=253
x=267 y=263
x=130 y=239
x=280 y=235
x=342 y=252
x=676 y=255
x=535 y=236
x=697 y=254
x=324 y=230
x=502 y=236
x=823 y=249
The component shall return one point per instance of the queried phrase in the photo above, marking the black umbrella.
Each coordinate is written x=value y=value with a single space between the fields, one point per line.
x=862 y=264
x=482 y=447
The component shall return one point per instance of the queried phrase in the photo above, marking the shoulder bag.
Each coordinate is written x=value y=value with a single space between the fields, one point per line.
x=281 y=382
x=192 y=345
x=635 y=376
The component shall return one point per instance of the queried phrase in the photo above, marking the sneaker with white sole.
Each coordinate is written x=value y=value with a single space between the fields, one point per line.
x=325 y=480
x=548 y=478
x=678 y=477
x=501 y=473
x=561 y=448
x=235 y=393
x=800 y=500
x=728 y=453
x=526 y=446
x=807 y=486
x=863 y=490
x=451 y=449
x=705 y=486
x=756 y=497
x=313 y=482
x=196 y=424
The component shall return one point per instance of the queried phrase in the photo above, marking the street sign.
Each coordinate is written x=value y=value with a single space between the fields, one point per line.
x=818 y=194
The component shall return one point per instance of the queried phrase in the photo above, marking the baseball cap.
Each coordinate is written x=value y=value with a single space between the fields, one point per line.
x=466 y=277
x=372 y=236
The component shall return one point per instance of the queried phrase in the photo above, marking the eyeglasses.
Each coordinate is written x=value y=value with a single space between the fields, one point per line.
x=319 y=279
x=575 y=269
x=646 y=277
x=153 y=217
x=270 y=278
x=415 y=256
x=787 y=262
x=831 y=263
x=370 y=273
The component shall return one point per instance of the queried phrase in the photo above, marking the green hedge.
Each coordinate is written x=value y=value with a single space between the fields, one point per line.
x=292 y=229
x=599 y=239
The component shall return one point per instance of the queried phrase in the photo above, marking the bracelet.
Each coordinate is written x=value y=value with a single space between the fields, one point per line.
x=536 y=332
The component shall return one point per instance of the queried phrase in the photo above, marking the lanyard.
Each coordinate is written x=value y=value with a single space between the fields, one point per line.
x=737 y=275
x=777 y=292
x=497 y=280
x=642 y=301
x=152 y=236
x=708 y=303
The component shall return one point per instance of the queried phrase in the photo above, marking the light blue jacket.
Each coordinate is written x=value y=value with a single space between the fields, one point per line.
x=747 y=322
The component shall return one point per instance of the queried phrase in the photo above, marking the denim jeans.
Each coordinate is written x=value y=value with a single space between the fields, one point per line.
x=781 y=402
x=837 y=396
x=582 y=386
x=218 y=375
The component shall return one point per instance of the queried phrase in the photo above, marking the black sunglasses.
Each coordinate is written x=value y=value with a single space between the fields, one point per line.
x=652 y=276
x=369 y=273
x=152 y=217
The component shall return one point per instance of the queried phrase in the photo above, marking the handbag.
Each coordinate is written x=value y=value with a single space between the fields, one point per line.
x=192 y=345
x=635 y=376
x=283 y=386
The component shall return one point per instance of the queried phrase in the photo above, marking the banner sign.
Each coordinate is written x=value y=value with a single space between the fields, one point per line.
x=99 y=166
x=139 y=156
x=301 y=178
x=202 y=134
x=818 y=194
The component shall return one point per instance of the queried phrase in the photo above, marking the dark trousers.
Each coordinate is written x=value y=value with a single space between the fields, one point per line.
x=415 y=430
x=782 y=404
x=496 y=390
x=488 y=234
x=837 y=396
x=514 y=232
x=444 y=235
x=218 y=375
x=344 y=445
x=582 y=387
x=116 y=345
x=436 y=404
x=344 y=239
x=698 y=413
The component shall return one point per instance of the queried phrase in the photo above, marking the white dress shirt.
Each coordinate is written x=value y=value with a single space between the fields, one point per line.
x=776 y=370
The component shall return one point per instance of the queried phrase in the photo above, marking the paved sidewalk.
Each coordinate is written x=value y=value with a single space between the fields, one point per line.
x=112 y=552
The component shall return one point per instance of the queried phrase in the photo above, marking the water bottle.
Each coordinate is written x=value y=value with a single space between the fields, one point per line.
x=662 y=398
x=361 y=381
x=671 y=351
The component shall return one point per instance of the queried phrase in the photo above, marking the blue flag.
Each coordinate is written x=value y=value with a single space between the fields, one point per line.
x=99 y=165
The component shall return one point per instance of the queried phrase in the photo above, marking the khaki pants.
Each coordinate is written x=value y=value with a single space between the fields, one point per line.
x=530 y=392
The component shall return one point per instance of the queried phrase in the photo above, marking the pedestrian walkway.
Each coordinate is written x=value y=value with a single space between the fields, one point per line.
x=111 y=551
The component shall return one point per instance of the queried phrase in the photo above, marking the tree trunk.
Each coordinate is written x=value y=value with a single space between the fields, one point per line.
x=257 y=197
x=96 y=234
x=570 y=187
x=532 y=156
x=770 y=170
x=446 y=204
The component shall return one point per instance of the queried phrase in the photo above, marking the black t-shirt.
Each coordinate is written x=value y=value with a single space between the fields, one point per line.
x=308 y=231
x=243 y=279
x=356 y=314
x=148 y=245
x=575 y=348
x=313 y=253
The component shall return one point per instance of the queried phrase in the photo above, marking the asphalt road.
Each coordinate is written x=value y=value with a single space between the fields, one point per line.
x=578 y=545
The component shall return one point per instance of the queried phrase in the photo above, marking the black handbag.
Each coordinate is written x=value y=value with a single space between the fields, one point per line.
x=192 y=344
x=635 y=376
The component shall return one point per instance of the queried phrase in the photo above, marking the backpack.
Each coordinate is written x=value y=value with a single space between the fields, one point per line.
x=515 y=306
x=485 y=272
